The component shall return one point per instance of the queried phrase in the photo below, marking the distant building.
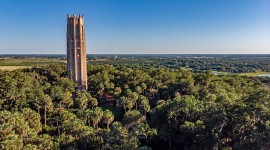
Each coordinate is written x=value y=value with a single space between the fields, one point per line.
x=76 y=51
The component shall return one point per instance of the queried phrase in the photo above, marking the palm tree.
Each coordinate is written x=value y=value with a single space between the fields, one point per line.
x=108 y=118
x=95 y=116
x=93 y=102
x=144 y=104
x=48 y=106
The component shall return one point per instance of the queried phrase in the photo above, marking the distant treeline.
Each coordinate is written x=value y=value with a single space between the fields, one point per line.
x=196 y=63
x=221 y=63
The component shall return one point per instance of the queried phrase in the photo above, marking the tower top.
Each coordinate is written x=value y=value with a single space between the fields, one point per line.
x=74 y=16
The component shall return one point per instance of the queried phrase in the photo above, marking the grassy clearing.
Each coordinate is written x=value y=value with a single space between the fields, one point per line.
x=10 y=68
x=252 y=74
x=257 y=73
x=221 y=73
x=186 y=68
x=29 y=61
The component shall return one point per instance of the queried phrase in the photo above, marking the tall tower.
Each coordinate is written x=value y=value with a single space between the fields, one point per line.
x=76 y=51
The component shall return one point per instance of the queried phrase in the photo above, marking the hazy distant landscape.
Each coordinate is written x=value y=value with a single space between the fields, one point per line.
x=243 y=64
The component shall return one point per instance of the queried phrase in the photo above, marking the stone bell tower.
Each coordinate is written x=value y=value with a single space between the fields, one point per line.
x=76 y=50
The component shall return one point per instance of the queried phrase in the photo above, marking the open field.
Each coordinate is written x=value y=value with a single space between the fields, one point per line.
x=29 y=61
x=252 y=74
x=257 y=73
x=10 y=68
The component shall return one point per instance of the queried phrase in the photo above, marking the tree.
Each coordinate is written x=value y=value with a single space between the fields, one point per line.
x=20 y=130
x=81 y=100
x=144 y=104
x=33 y=119
x=144 y=87
x=135 y=97
x=138 y=89
x=132 y=118
x=48 y=106
x=107 y=117
x=117 y=91
x=93 y=102
x=126 y=103
x=118 y=138
x=93 y=117
x=178 y=117
x=137 y=126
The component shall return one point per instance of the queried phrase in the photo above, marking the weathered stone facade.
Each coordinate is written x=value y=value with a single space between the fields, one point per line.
x=76 y=51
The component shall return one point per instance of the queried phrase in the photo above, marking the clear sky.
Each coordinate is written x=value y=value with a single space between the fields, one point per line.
x=138 y=26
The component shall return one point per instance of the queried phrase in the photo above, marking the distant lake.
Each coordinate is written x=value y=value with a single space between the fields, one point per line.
x=264 y=75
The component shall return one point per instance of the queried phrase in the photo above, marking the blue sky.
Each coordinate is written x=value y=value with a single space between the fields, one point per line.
x=138 y=26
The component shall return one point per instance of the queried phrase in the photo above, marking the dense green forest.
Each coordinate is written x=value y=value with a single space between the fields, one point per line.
x=133 y=108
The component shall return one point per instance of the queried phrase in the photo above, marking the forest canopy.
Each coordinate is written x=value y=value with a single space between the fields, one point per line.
x=133 y=108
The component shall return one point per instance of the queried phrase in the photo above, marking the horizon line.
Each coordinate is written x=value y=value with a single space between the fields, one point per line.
x=148 y=54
